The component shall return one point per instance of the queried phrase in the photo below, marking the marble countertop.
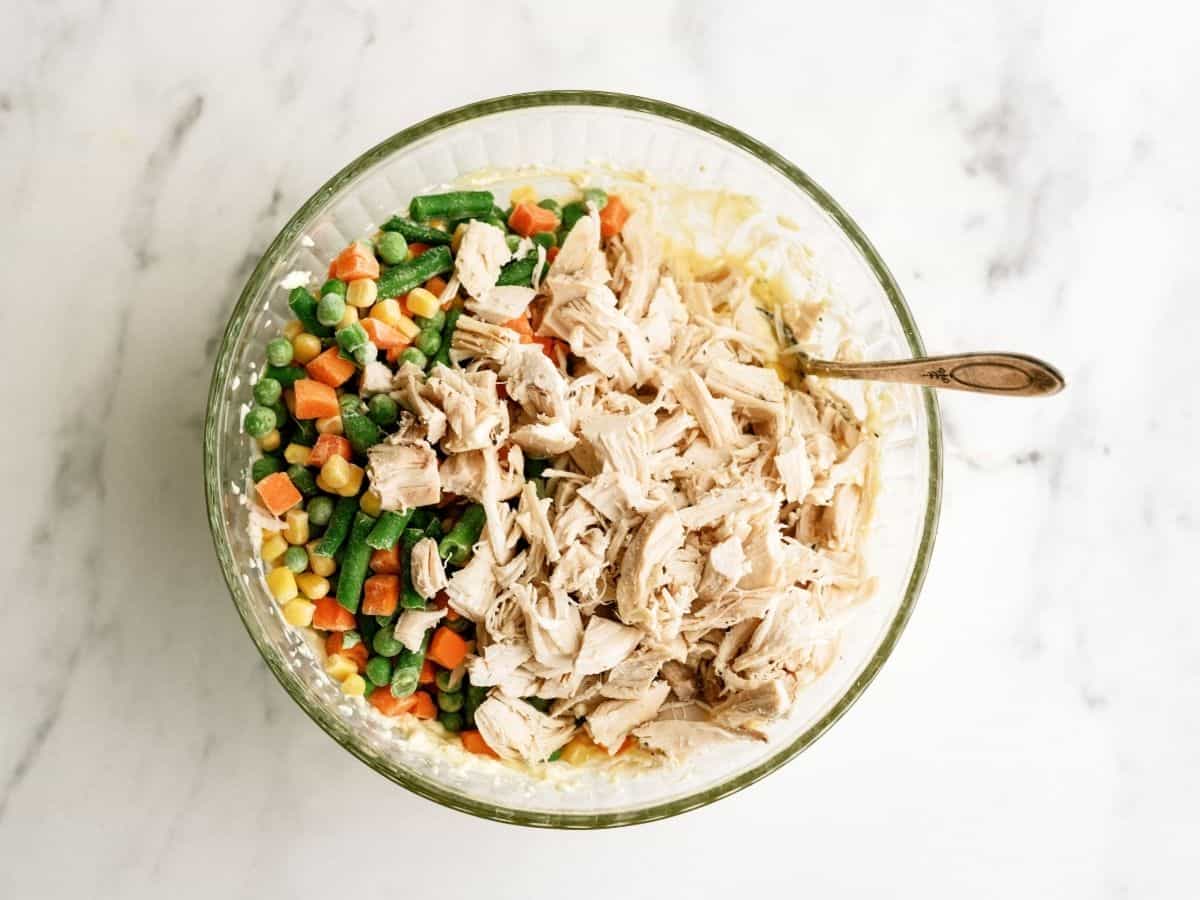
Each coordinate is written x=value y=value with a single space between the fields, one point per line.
x=1029 y=173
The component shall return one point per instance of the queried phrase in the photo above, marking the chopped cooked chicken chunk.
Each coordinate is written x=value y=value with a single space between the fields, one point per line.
x=481 y=255
x=474 y=338
x=428 y=576
x=612 y=720
x=413 y=623
x=515 y=730
x=404 y=475
x=605 y=643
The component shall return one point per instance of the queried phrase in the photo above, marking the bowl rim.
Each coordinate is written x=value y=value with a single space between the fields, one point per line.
x=324 y=716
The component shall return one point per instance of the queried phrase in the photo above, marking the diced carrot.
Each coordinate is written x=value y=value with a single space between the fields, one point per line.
x=334 y=643
x=551 y=254
x=424 y=707
x=356 y=261
x=328 y=445
x=436 y=285
x=441 y=600
x=416 y=249
x=613 y=216
x=426 y=675
x=330 y=368
x=332 y=616
x=501 y=390
x=522 y=327
x=549 y=346
x=473 y=742
x=384 y=336
x=387 y=703
x=314 y=399
x=277 y=493
x=393 y=353
x=381 y=595
x=386 y=562
x=529 y=218
x=446 y=648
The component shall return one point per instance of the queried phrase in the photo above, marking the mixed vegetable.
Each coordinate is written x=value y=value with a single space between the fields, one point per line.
x=342 y=563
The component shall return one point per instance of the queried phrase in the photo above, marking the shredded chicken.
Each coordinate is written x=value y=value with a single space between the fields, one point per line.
x=404 y=475
x=428 y=576
x=515 y=730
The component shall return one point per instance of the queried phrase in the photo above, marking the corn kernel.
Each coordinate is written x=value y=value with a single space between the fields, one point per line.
x=311 y=585
x=371 y=503
x=273 y=547
x=297 y=454
x=459 y=233
x=523 y=194
x=305 y=348
x=581 y=750
x=319 y=565
x=293 y=328
x=270 y=441
x=340 y=667
x=296 y=529
x=387 y=311
x=282 y=583
x=336 y=472
x=362 y=292
x=354 y=685
x=330 y=425
x=299 y=612
x=407 y=327
x=349 y=317
x=421 y=302
x=354 y=484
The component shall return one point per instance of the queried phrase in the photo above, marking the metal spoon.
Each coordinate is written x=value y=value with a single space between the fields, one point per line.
x=1011 y=374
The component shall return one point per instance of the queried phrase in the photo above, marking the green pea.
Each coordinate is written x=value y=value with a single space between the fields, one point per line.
x=451 y=721
x=296 y=559
x=551 y=204
x=450 y=701
x=351 y=337
x=268 y=391
x=365 y=354
x=428 y=341
x=596 y=197
x=330 y=309
x=349 y=403
x=391 y=247
x=303 y=479
x=385 y=644
x=305 y=432
x=379 y=670
x=383 y=410
x=319 y=510
x=545 y=239
x=513 y=242
x=264 y=466
x=414 y=356
x=279 y=352
x=259 y=421
x=442 y=679
x=436 y=321
x=385 y=621
x=334 y=286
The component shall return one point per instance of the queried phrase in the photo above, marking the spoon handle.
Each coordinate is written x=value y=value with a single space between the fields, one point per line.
x=1012 y=374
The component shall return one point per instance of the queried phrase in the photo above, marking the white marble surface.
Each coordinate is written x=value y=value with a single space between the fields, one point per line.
x=1029 y=173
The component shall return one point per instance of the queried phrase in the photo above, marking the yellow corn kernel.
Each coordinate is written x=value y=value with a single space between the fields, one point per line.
x=407 y=327
x=297 y=454
x=352 y=486
x=439 y=224
x=299 y=612
x=336 y=472
x=282 y=583
x=370 y=503
x=330 y=425
x=387 y=311
x=293 y=328
x=457 y=239
x=305 y=348
x=311 y=585
x=340 y=667
x=349 y=317
x=581 y=750
x=273 y=547
x=354 y=685
x=296 y=529
x=423 y=303
x=319 y=565
x=362 y=292
x=523 y=194
x=270 y=441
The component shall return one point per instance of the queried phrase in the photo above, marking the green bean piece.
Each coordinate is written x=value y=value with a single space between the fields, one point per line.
x=407 y=673
x=415 y=232
x=383 y=410
x=533 y=468
x=452 y=205
x=304 y=432
x=474 y=696
x=571 y=214
x=379 y=670
x=351 y=337
x=360 y=431
x=495 y=222
x=303 y=479
x=435 y=530
x=320 y=509
x=385 y=644
x=264 y=466
x=538 y=703
x=267 y=391
x=330 y=309
x=443 y=355
x=436 y=321
x=354 y=563
x=333 y=286
x=551 y=204
x=555 y=756
x=519 y=271
x=388 y=529
x=403 y=278
x=421 y=517
x=259 y=421
x=296 y=559
x=428 y=341
x=414 y=356
x=542 y=487
x=595 y=196
x=409 y=598
x=451 y=721
x=304 y=306
x=513 y=241
x=450 y=701
x=391 y=247
x=546 y=239
x=285 y=375
x=457 y=546
x=349 y=404
x=339 y=526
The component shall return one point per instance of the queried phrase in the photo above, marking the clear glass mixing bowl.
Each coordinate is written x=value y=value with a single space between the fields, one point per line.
x=575 y=130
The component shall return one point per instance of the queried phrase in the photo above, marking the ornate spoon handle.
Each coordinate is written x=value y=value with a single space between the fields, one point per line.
x=1011 y=374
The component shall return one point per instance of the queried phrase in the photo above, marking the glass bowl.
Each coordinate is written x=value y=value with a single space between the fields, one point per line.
x=577 y=130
